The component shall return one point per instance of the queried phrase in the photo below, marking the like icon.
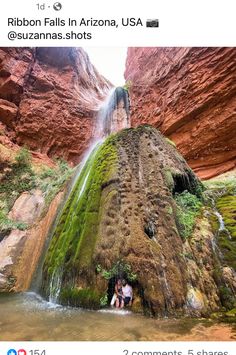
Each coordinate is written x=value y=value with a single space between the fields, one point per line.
x=22 y=352
x=12 y=352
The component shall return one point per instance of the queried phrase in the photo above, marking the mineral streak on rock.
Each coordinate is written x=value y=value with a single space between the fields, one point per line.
x=190 y=95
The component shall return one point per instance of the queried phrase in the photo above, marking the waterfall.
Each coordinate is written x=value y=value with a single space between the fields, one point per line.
x=112 y=117
x=222 y=227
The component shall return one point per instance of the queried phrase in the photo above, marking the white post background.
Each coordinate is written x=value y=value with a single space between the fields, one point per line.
x=122 y=348
x=182 y=22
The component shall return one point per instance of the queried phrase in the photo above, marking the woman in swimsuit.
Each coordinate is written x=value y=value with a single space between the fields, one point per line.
x=119 y=294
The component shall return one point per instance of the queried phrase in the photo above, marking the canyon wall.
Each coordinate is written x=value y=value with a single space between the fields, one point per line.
x=49 y=98
x=190 y=95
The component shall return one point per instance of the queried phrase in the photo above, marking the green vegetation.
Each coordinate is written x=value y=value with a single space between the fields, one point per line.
x=51 y=181
x=20 y=176
x=23 y=158
x=120 y=269
x=83 y=297
x=223 y=193
x=75 y=236
x=127 y=85
x=226 y=205
x=6 y=224
x=168 y=176
x=188 y=209
x=231 y=313
x=227 y=297
x=170 y=142
x=226 y=186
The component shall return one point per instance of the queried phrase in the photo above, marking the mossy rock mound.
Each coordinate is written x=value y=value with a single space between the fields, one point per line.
x=124 y=209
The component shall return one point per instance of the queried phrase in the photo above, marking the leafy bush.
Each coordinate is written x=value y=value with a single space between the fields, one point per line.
x=104 y=300
x=188 y=208
x=20 y=177
x=6 y=224
x=52 y=180
x=23 y=157
x=120 y=269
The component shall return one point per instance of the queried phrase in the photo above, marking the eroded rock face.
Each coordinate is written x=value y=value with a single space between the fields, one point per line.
x=10 y=250
x=8 y=112
x=190 y=95
x=126 y=214
x=20 y=251
x=50 y=97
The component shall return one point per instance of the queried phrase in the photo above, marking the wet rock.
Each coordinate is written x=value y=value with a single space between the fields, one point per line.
x=229 y=276
x=111 y=232
x=195 y=299
x=10 y=250
x=150 y=229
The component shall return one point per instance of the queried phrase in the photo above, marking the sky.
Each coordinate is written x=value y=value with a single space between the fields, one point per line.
x=109 y=61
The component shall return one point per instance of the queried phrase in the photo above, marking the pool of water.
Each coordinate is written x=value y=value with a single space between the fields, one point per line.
x=28 y=317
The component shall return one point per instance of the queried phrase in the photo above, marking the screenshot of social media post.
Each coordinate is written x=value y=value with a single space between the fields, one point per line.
x=117 y=177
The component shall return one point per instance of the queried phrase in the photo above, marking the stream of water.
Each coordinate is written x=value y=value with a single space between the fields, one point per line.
x=27 y=317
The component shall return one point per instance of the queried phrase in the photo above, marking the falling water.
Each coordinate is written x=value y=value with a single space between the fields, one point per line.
x=55 y=285
x=222 y=227
x=113 y=116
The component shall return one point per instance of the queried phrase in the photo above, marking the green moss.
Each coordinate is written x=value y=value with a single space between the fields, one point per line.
x=75 y=236
x=85 y=297
x=188 y=208
x=214 y=222
x=231 y=313
x=228 y=249
x=168 y=176
x=227 y=207
x=222 y=194
x=227 y=297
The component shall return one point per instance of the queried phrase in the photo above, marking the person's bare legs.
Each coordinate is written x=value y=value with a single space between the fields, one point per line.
x=122 y=303
x=117 y=304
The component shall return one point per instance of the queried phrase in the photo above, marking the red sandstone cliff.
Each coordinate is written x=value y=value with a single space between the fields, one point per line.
x=190 y=95
x=49 y=98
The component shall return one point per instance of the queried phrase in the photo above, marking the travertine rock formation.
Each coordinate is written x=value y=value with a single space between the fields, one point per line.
x=122 y=219
x=190 y=95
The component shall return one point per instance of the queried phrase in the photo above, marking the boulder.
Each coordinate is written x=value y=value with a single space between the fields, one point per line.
x=28 y=207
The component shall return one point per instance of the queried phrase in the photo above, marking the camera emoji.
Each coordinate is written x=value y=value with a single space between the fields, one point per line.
x=152 y=23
